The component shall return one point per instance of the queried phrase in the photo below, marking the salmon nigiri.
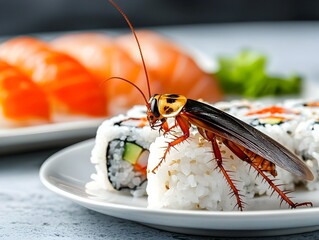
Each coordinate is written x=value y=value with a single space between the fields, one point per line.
x=22 y=102
x=104 y=58
x=177 y=71
x=70 y=87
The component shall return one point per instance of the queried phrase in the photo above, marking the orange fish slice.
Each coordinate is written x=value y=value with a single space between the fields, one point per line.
x=176 y=70
x=270 y=110
x=105 y=59
x=22 y=102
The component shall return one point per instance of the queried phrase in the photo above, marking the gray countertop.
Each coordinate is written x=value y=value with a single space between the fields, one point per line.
x=29 y=211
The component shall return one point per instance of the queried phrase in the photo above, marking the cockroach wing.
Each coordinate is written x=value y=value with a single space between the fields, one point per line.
x=239 y=132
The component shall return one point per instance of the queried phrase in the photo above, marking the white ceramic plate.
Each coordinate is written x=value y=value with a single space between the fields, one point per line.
x=55 y=134
x=67 y=172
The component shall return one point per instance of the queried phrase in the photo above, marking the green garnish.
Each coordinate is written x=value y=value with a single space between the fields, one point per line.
x=245 y=74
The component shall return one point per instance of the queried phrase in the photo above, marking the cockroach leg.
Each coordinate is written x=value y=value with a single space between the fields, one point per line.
x=166 y=129
x=245 y=157
x=184 y=125
x=218 y=156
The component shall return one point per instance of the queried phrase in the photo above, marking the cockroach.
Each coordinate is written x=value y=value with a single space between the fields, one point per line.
x=253 y=147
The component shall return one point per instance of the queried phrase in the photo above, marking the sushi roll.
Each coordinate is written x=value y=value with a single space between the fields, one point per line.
x=306 y=138
x=292 y=126
x=281 y=122
x=276 y=121
x=188 y=178
x=121 y=152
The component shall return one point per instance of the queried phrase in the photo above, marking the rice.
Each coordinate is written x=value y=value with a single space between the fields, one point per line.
x=187 y=179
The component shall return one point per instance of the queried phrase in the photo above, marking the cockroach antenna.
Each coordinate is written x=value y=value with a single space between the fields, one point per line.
x=138 y=44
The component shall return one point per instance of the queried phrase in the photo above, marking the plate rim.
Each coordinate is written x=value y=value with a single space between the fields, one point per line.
x=60 y=134
x=49 y=127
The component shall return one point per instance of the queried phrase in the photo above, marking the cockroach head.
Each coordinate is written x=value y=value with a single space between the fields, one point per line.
x=153 y=115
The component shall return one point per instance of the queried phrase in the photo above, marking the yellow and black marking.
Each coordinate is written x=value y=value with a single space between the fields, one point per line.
x=168 y=105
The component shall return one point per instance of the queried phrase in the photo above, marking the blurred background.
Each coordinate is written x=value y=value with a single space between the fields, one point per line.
x=20 y=17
